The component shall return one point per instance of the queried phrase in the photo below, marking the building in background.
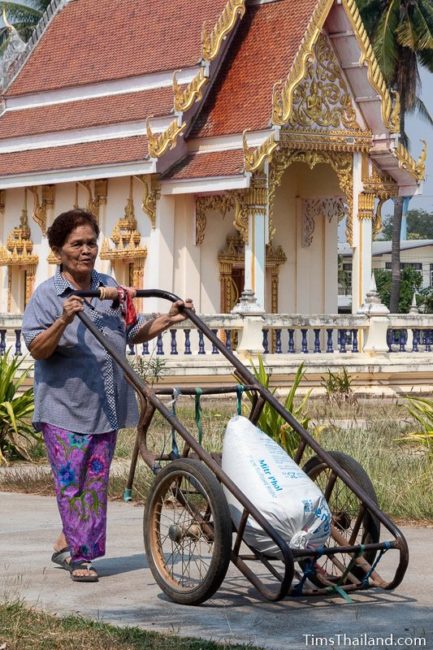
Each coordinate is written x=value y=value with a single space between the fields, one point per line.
x=218 y=143
x=415 y=253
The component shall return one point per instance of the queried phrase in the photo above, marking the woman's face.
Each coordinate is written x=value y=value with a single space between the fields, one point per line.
x=78 y=254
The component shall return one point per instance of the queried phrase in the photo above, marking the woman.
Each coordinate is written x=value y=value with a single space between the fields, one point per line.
x=81 y=397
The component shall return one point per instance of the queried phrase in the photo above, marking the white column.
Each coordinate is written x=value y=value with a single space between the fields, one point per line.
x=365 y=250
x=255 y=255
x=357 y=236
x=159 y=267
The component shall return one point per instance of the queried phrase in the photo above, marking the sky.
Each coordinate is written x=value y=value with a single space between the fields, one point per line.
x=418 y=129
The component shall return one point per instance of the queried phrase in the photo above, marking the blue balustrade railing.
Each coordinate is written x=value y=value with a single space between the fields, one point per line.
x=315 y=335
x=281 y=334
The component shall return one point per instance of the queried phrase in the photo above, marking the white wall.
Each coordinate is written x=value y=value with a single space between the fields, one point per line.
x=303 y=287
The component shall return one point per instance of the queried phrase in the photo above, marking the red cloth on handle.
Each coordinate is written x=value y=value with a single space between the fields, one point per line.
x=127 y=306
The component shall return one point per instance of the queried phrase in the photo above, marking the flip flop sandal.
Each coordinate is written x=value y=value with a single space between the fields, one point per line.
x=91 y=577
x=62 y=558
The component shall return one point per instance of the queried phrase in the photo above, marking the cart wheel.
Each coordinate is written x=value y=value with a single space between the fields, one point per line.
x=187 y=532
x=345 y=507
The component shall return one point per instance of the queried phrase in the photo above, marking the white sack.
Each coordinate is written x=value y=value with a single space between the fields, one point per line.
x=292 y=504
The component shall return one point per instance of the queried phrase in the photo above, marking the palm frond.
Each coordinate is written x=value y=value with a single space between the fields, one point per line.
x=17 y=11
x=406 y=35
x=425 y=57
x=423 y=111
x=426 y=8
x=371 y=12
x=422 y=29
x=385 y=45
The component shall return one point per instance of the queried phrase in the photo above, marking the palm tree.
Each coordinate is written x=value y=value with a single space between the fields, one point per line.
x=402 y=35
x=23 y=16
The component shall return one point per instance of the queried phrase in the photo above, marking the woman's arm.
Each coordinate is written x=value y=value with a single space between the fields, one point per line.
x=45 y=343
x=162 y=322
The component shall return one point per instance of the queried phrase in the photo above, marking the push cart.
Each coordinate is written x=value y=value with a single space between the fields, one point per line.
x=189 y=535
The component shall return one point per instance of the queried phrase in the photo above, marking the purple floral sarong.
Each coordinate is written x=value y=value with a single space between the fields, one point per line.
x=81 y=464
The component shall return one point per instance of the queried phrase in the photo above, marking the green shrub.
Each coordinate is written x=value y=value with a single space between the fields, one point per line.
x=338 y=387
x=150 y=369
x=16 y=431
x=270 y=422
x=421 y=409
x=410 y=283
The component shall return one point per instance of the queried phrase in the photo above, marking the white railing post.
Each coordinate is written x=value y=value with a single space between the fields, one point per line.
x=375 y=339
x=250 y=341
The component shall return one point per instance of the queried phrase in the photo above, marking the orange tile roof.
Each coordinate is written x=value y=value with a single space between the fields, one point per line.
x=264 y=51
x=204 y=165
x=261 y=54
x=96 y=40
x=88 y=154
x=87 y=112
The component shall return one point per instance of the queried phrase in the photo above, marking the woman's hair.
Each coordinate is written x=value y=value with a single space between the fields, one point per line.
x=66 y=222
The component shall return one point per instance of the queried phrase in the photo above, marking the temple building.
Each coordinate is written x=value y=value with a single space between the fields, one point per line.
x=219 y=143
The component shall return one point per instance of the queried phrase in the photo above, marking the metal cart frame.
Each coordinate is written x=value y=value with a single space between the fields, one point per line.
x=357 y=573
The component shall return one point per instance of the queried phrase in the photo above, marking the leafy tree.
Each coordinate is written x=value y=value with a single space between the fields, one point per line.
x=424 y=300
x=419 y=225
x=23 y=16
x=402 y=35
x=344 y=280
x=16 y=409
x=411 y=281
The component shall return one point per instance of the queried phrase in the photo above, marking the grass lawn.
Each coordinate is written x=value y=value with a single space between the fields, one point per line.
x=371 y=431
x=23 y=628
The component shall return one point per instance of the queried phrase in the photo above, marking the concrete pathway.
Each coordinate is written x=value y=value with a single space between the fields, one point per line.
x=127 y=593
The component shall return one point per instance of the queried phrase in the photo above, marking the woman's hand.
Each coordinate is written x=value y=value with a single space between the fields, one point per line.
x=176 y=312
x=161 y=322
x=45 y=343
x=71 y=307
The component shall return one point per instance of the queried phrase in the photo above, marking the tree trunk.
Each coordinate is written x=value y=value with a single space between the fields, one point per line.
x=395 y=256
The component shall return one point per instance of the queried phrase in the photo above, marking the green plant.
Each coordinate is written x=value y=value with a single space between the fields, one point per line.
x=411 y=281
x=421 y=409
x=16 y=431
x=150 y=369
x=424 y=300
x=270 y=422
x=338 y=387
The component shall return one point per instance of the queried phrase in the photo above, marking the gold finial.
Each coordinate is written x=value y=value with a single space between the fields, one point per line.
x=420 y=165
x=212 y=39
x=254 y=158
x=160 y=142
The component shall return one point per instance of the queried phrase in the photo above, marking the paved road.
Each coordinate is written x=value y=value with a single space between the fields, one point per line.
x=127 y=593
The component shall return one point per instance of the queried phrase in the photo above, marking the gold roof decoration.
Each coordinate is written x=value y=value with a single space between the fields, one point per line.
x=19 y=246
x=159 y=143
x=254 y=158
x=234 y=251
x=405 y=161
x=212 y=39
x=390 y=110
x=341 y=163
x=283 y=94
x=282 y=100
x=322 y=98
x=125 y=236
x=379 y=182
x=326 y=140
x=222 y=203
x=40 y=206
x=151 y=194
x=184 y=98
